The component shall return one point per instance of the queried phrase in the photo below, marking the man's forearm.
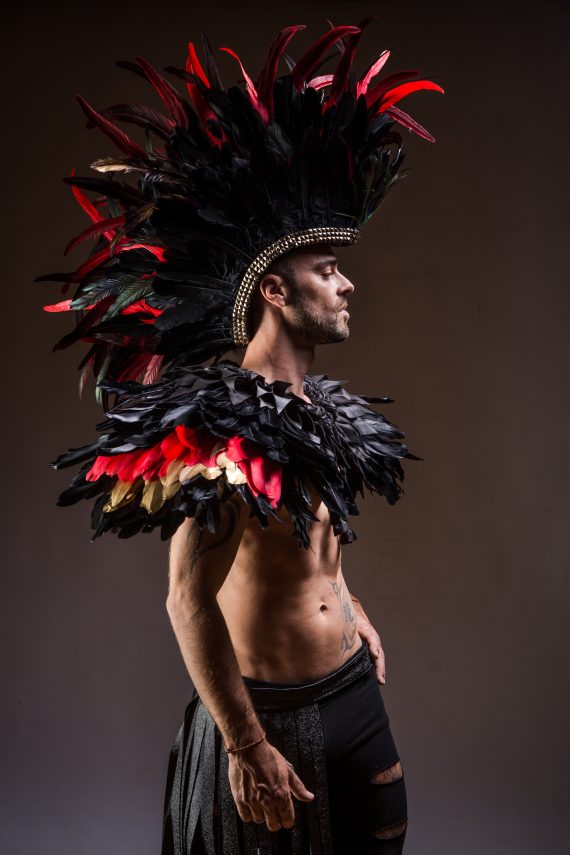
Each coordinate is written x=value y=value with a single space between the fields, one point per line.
x=209 y=656
x=199 y=562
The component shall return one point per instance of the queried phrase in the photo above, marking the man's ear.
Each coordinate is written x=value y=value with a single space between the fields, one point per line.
x=275 y=289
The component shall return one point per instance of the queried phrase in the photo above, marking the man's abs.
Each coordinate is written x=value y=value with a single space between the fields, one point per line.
x=288 y=609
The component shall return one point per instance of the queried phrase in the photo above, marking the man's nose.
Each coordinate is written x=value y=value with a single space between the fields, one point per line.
x=346 y=286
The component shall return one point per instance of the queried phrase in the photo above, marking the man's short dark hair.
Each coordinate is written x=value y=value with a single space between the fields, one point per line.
x=283 y=267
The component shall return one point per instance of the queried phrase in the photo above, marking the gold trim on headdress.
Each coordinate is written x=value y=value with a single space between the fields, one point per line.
x=325 y=234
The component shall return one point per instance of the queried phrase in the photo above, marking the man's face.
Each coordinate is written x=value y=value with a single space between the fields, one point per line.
x=317 y=310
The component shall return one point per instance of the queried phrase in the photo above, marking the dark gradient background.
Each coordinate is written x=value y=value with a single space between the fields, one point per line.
x=460 y=313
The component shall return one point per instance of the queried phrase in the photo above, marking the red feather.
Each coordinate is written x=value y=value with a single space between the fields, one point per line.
x=374 y=93
x=320 y=82
x=153 y=368
x=263 y=475
x=305 y=65
x=251 y=90
x=375 y=68
x=95 y=229
x=91 y=264
x=142 y=306
x=133 y=367
x=84 y=367
x=203 y=109
x=85 y=203
x=119 y=137
x=400 y=92
x=408 y=122
x=149 y=363
x=85 y=323
x=64 y=306
x=166 y=92
x=340 y=80
x=157 y=251
x=266 y=79
x=194 y=66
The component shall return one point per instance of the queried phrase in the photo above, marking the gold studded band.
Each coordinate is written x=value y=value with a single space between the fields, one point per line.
x=326 y=234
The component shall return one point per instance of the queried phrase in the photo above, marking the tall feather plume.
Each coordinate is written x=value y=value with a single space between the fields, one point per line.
x=224 y=172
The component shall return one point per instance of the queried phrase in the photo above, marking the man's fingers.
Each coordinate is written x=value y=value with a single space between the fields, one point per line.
x=273 y=806
x=272 y=817
x=257 y=812
x=256 y=809
x=244 y=812
x=377 y=654
x=298 y=789
x=287 y=813
x=381 y=667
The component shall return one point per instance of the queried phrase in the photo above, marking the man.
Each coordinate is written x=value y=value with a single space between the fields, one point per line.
x=226 y=241
x=231 y=589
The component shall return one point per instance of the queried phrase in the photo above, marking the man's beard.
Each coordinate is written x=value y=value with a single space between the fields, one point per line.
x=317 y=327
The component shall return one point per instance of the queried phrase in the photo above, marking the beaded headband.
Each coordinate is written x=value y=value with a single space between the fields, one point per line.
x=326 y=234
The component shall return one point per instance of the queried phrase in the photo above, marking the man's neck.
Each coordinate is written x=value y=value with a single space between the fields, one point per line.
x=280 y=363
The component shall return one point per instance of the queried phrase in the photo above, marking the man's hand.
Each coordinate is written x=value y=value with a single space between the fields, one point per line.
x=369 y=635
x=262 y=782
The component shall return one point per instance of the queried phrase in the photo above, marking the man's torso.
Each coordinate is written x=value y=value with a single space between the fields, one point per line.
x=288 y=609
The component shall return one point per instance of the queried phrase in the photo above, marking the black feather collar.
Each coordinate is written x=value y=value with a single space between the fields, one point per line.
x=281 y=443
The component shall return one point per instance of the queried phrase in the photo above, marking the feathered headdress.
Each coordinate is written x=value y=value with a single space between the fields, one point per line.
x=225 y=182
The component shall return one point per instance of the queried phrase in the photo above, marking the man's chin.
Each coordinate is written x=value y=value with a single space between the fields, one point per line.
x=337 y=335
x=343 y=331
x=318 y=333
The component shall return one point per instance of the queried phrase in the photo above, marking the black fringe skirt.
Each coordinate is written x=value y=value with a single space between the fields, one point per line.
x=200 y=815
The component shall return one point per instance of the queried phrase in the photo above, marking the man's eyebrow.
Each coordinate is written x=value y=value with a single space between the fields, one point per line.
x=324 y=262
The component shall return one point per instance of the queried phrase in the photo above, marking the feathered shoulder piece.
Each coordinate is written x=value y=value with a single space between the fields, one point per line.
x=179 y=447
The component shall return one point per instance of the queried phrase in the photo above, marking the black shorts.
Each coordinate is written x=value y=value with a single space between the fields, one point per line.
x=336 y=733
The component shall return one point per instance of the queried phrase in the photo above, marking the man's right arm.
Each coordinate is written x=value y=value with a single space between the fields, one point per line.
x=198 y=565
x=261 y=780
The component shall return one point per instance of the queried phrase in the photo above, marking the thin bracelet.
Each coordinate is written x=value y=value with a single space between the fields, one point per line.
x=243 y=747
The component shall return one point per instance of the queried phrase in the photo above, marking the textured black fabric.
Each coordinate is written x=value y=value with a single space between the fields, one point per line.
x=335 y=732
x=359 y=743
x=339 y=443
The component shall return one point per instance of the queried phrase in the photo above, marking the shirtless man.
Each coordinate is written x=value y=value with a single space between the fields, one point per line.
x=225 y=241
x=248 y=601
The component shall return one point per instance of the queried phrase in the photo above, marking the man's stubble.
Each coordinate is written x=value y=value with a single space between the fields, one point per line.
x=313 y=325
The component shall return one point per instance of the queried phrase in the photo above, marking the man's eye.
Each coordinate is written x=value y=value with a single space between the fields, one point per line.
x=327 y=274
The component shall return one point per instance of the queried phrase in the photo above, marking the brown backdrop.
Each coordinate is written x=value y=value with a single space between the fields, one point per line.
x=459 y=314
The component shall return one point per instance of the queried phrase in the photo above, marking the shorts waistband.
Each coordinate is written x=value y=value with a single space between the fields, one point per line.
x=273 y=695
